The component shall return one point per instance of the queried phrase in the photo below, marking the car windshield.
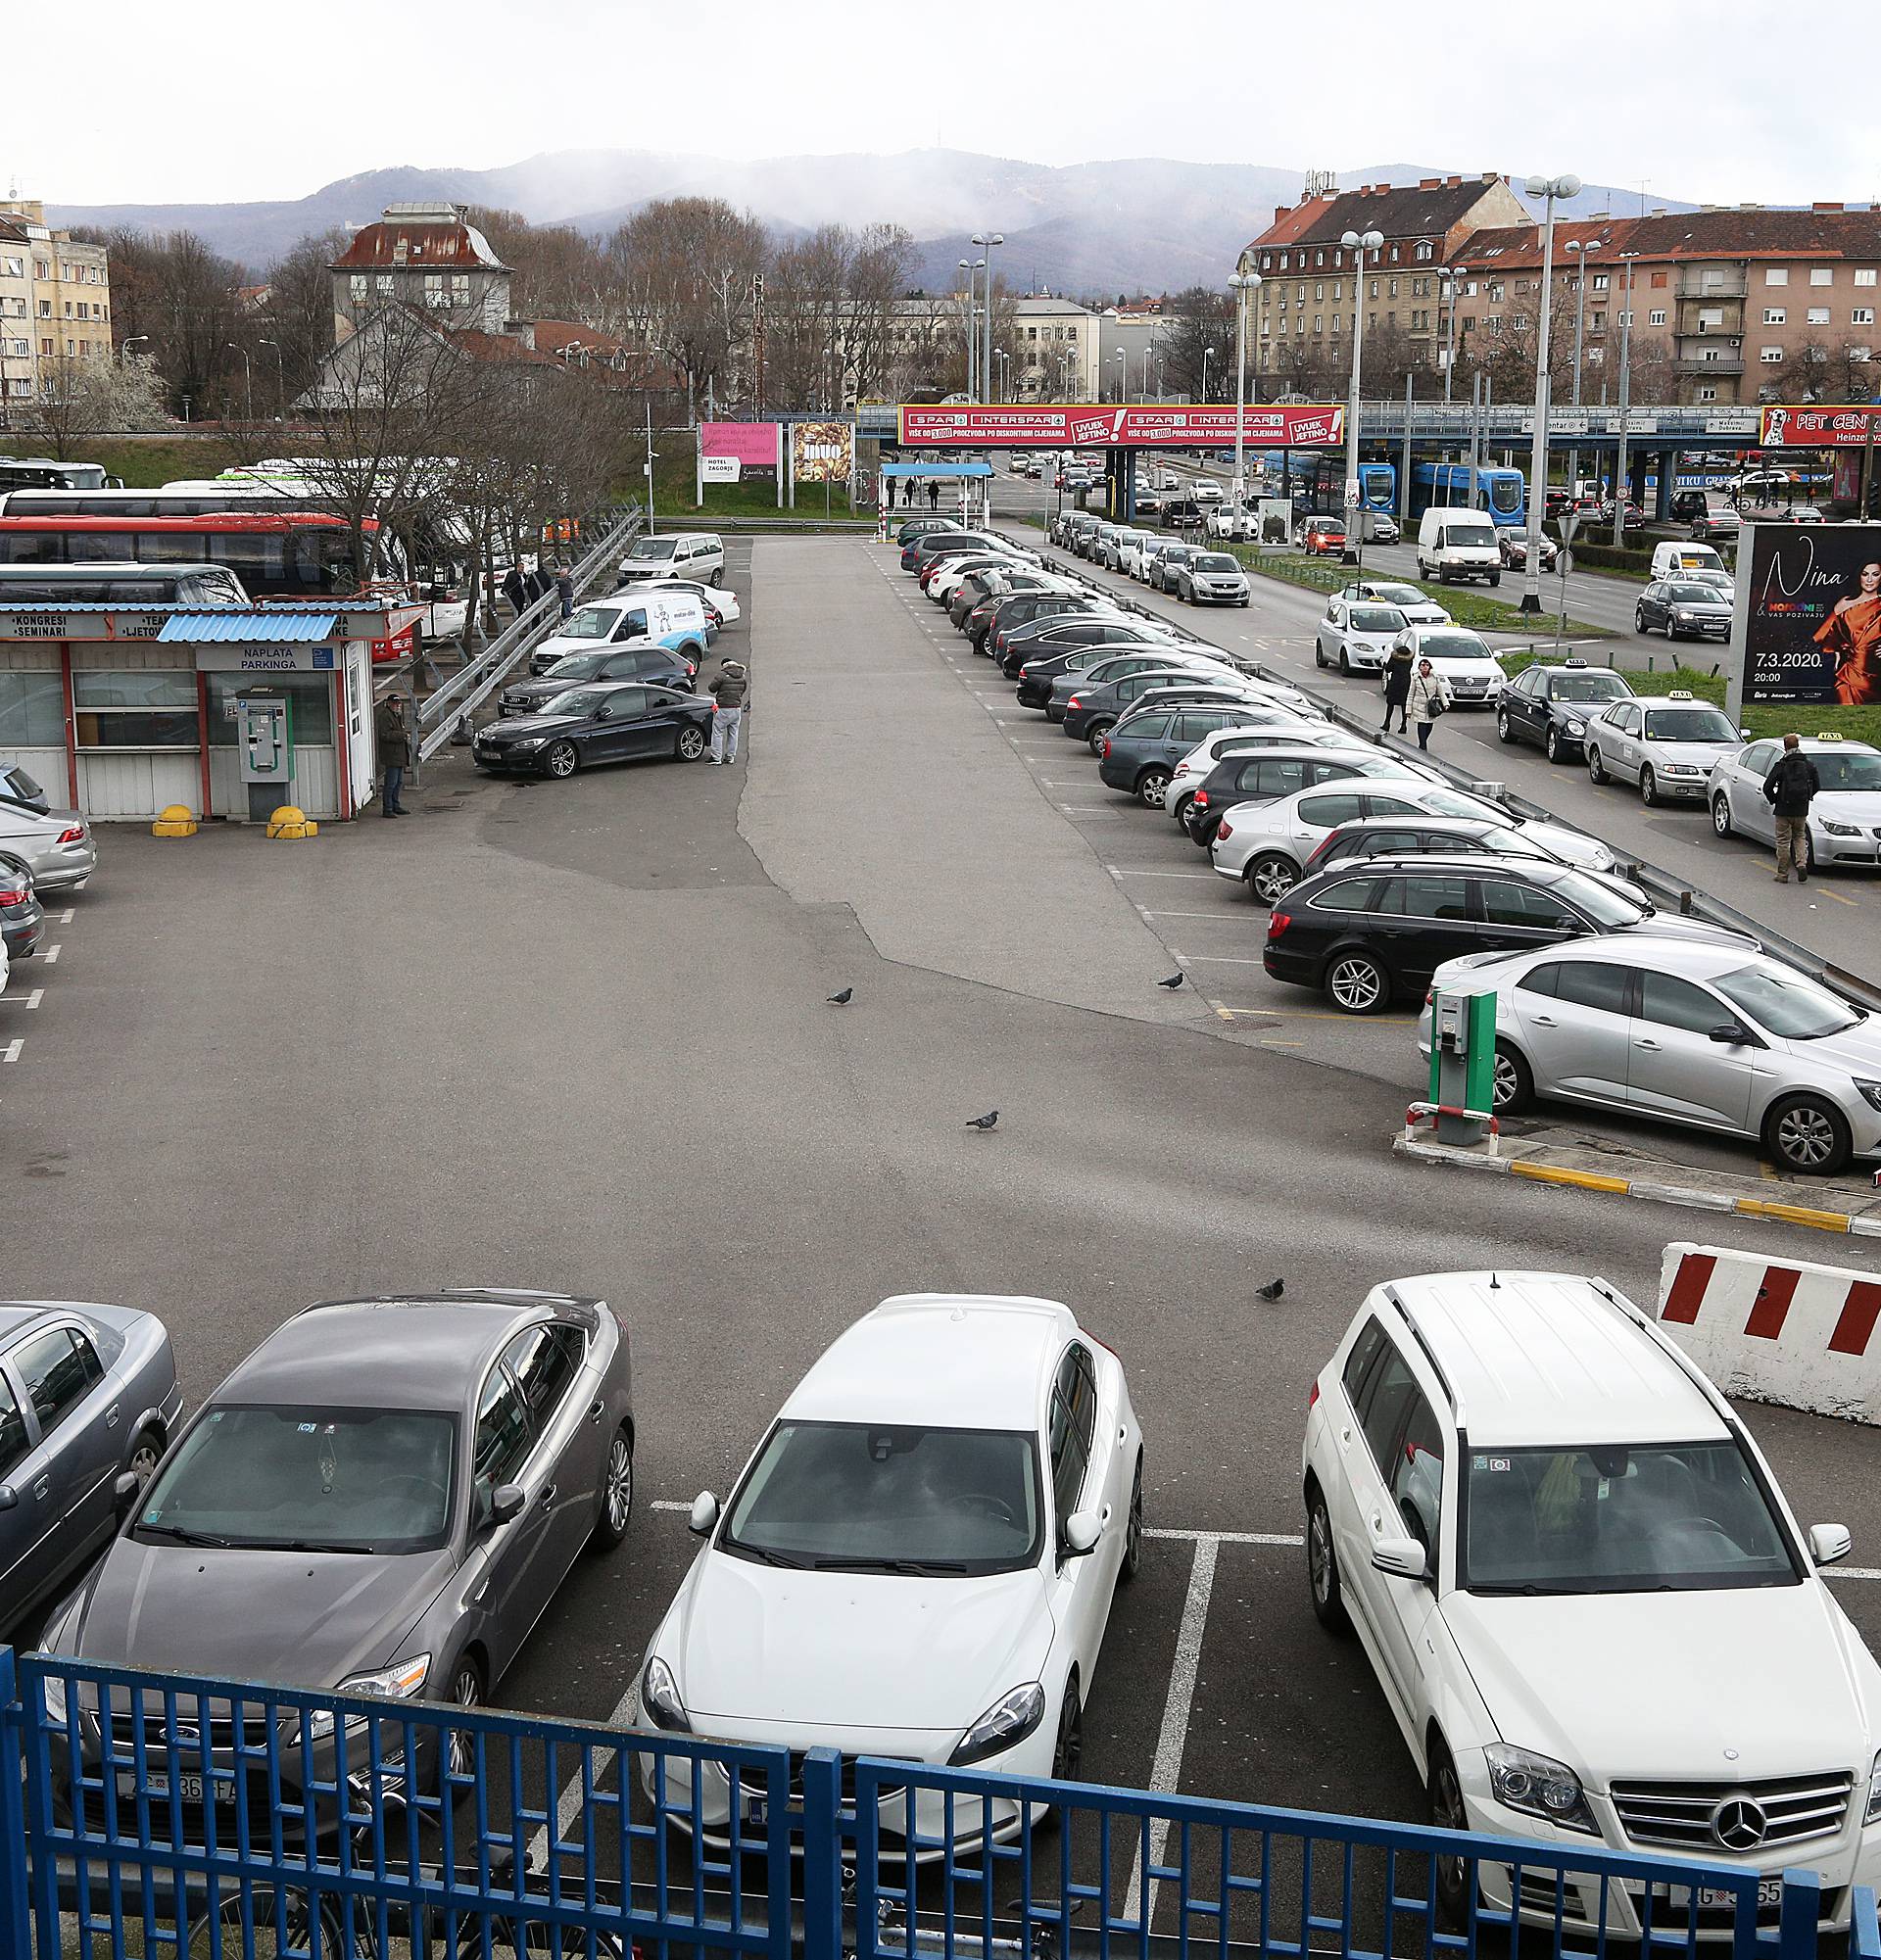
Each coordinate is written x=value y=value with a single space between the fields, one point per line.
x=1470 y=533
x=1400 y=595
x=577 y=666
x=1692 y=594
x=861 y=1496
x=1216 y=562
x=653 y=547
x=308 y=1479
x=1604 y=903
x=1454 y=646
x=1787 y=1003
x=1672 y=1517
x=1587 y=687
x=1689 y=725
x=1376 y=619
x=576 y=701
x=592 y=622
x=1846 y=770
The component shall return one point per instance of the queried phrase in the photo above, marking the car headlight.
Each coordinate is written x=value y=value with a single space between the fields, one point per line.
x=1576 y=727
x=1871 y=1091
x=400 y=1681
x=1871 y=1816
x=1678 y=769
x=1684 y=617
x=530 y=741
x=659 y=1698
x=1839 y=829
x=1009 y=1721
x=1538 y=1785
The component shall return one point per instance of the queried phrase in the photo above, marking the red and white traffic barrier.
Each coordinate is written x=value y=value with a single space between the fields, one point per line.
x=1787 y=1331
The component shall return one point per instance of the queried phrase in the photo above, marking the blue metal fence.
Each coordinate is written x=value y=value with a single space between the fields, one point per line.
x=153 y=1817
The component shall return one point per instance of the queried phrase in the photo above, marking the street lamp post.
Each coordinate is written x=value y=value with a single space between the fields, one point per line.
x=973 y=323
x=1208 y=355
x=280 y=377
x=248 y=379
x=1450 y=277
x=1548 y=189
x=1142 y=394
x=1358 y=243
x=123 y=351
x=989 y=239
x=1580 y=247
x=1625 y=402
x=1242 y=285
x=1122 y=374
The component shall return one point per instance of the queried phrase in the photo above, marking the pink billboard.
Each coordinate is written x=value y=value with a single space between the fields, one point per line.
x=753 y=443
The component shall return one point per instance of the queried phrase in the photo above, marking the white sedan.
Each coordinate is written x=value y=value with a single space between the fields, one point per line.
x=1354 y=636
x=1464 y=661
x=917 y=1561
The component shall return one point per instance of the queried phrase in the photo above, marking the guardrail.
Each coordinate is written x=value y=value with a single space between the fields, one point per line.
x=153 y=1817
x=442 y=712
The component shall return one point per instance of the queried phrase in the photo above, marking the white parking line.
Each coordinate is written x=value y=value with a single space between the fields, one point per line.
x=64 y=918
x=34 y=998
x=11 y=1052
x=1131 y=870
x=50 y=956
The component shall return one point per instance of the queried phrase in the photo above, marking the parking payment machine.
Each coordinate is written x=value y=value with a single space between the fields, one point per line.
x=265 y=740
x=1463 y=1065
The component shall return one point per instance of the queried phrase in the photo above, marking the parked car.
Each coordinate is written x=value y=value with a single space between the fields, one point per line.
x=1511 y=1481
x=1417 y=605
x=619 y=663
x=991 y=583
x=1415 y=836
x=1551 y=705
x=1043 y=661
x=1321 y=537
x=1718 y=522
x=1205 y=489
x=1667 y=744
x=1142 y=751
x=913 y=528
x=959 y=1474
x=88 y=1403
x=1634 y=515
x=1464 y=661
x=1459 y=544
x=670 y=619
x=1512 y=543
x=598 y=721
x=1212 y=578
x=1006 y=613
x=1270 y=845
x=1122 y=657
x=1284 y=769
x=1123 y=552
x=686 y=555
x=382 y=1499
x=1092 y=707
x=55 y=846
x=1367 y=934
x=1688 y=610
x=22 y=918
x=1845 y=817
x=1354 y=636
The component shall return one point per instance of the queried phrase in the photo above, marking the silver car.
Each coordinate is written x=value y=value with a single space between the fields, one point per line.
x=55 y=846
x=1845 y=818
x=1667 y=744
x=1710 y=1034
x=89 y=1400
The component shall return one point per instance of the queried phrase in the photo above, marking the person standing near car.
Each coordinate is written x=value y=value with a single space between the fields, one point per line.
x=1429 y=696
x=395 y=754
x=728 y=690
x=1790 y=787
x=565 y=591
x=1397 y=682
x=514 y=590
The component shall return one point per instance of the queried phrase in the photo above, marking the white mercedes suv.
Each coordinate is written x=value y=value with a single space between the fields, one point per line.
x=1585 y=1600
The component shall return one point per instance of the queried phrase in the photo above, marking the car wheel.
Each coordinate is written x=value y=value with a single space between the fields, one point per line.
x=1808 y=1134
x=1639 y=619
x=1181 y=812
x=1152 y=786
x=466 y=1692
x=145 y=1455
x=1669 y=634
x=1596 y=769
x=1443 y=1796
x=1721 y=816
x=1096 y=735
x=1495 y=578
x=1345 y=663
x=561 y=760
x=1354 y=983
x=616 y=1493
x=1648 y=786
x=1319 y=652
x=692 y=743
x=1068 y=1747
x=1270 y=877
x=1551 y=744
x=1132 y=1558
x=1323 y=1566
x=1512 y=1081
x=1504 y=728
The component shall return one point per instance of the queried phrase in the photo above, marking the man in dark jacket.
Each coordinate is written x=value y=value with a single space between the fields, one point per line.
x=1790 y=787
x=1397 y=681
x=395 y=754
x=728 y=691
x=565 y=591
x=515 y=590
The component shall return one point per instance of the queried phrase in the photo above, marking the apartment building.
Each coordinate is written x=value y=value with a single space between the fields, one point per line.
x=55 y=298
x=426 y=257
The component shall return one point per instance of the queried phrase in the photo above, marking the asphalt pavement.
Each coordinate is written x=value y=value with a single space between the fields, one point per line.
x=576 y=1036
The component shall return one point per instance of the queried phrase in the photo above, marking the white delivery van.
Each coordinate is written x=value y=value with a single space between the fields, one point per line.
x=1675 y=559
x=674 y=620
x=676 y=554
x=1458 y=543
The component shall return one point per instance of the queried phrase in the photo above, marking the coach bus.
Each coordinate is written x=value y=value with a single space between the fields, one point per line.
x=43 y=473
x=1502 y=492
x=275 y=553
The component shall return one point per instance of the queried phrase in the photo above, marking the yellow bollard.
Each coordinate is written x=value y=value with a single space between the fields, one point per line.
x=290 y=822
x=175 y=821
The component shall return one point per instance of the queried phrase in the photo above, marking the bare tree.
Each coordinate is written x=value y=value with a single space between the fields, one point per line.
x=561 y=272
x=1195 y=321
x=300 y=315
x=173 y=293
x=681 y=270
x=85 y=396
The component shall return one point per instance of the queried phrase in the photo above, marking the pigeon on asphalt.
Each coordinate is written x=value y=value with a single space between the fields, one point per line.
x=1173 y=981
x=986 y=1121
x=843 y=998
x=1273 y=1289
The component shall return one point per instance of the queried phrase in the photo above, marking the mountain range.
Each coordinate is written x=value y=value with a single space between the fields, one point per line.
x=1143 y=224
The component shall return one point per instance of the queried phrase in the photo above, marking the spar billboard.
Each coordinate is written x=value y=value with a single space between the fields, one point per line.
x=1807 y=633
x=1131 y=425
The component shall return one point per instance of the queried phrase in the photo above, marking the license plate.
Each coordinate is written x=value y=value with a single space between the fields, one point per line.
x=757 y=1810
x=189 y=1789
x=1719 y=1898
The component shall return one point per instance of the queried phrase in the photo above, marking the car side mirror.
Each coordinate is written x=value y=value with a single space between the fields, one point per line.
x=124 y=1492
x=9 y=1498
x=505 y=1502
x=1083 y=1530
x=604 y=712
x=1744 y=735
x=1401 y=1558
x=1729 y=1033
x=703 y=1514
x=1829 y=1544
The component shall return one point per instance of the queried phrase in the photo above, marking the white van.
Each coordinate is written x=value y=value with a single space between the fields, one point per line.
x=674 y=620
x=1458 y=543
x=679 y=555
x=1680 y=559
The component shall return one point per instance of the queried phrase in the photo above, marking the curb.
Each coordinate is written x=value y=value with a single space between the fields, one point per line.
x=1640 y=1187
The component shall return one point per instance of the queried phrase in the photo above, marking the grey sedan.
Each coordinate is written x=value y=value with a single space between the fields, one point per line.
x=382 y=1499
x=88 y=1396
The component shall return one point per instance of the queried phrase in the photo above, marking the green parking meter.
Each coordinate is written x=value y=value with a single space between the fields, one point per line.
x=265 y=741
x=1462 y=1063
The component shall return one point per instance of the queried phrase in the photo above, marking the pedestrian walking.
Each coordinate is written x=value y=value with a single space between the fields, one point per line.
x=395 y=754
x=1790 y=787
x=514 y=590
x=729 y=688
x=933 y=495
x=1428 y=697
x=907 y=491
x=539 y=584
x=1397 y=682
x=565 y=591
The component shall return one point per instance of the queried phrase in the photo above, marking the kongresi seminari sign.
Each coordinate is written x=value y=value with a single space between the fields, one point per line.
x=1134 y=425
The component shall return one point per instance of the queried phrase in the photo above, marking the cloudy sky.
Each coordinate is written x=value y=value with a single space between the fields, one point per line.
x=257 y=101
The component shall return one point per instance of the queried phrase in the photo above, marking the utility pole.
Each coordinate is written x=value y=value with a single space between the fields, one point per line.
x=1626 y=402
x=1548 y=189
x=757 y=341
x=649 y=467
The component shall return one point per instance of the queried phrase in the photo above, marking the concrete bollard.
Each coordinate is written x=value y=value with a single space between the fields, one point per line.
x=175 y=821
x=290 y=823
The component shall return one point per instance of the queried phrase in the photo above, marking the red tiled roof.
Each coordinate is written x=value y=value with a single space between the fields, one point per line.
x=481 y=346
x=1738 y=234
x=425 y=245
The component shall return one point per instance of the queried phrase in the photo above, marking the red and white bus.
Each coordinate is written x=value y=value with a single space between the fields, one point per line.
x=275 y=553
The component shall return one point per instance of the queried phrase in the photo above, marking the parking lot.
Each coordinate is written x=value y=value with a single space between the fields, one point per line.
x=576 y=1034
